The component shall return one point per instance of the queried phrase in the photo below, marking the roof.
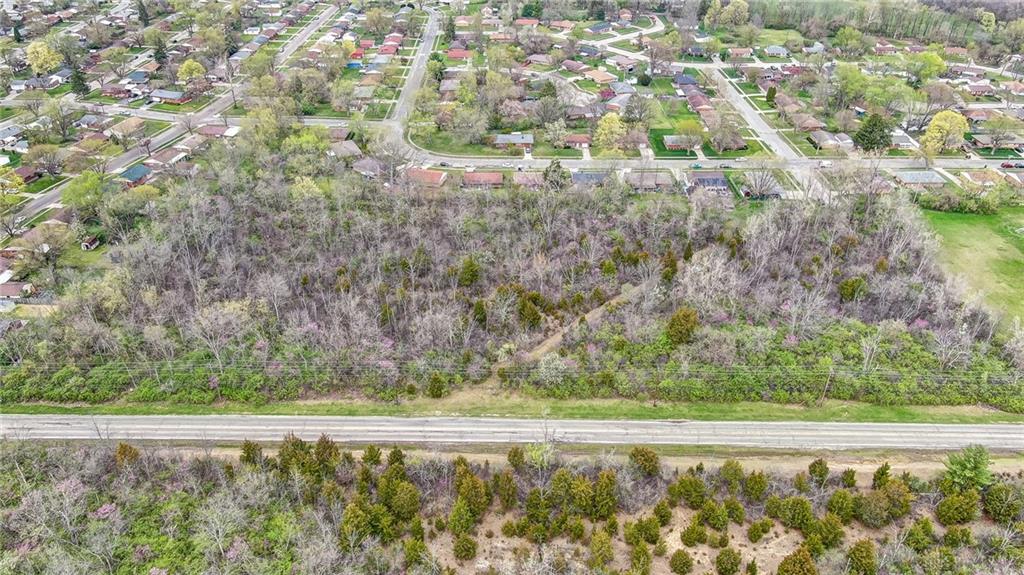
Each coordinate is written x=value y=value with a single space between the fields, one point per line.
x=622 y=88
x=135 y=173
x=528 y=179
x=577 y=139
x=513 y=139
x=424 y=176
x=129 y=125
x=714 y=179
x=685 y=80
x=920 y=177
x=167 y=94
x=482 y=179
x=650 y=179
x=589 y=178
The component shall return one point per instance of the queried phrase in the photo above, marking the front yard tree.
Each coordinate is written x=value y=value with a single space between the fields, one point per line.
x=191 y=73
x=556 y=132
x=557 y=178
x=377 y=22
x=1002 y=128
x=946 y=131
x=924 y=66
x=637 y=111
x=78 y=83
x=41 y=57
x=713 y=14
x=140 y=7
x=610 y=132
x=873 y=134
x=850 y=40
x=45 y=157
x=117 y=61
x=737 y=13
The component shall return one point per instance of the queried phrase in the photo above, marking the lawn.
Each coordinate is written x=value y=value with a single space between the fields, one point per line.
x=988 y=251
x=628 y=46
x=658 y=145
x=59 y=90
x=546 y=150
x=15 y=159
x=154 y=127
x=753 y=147
x=471 y=404
x=43 y=183
x=662 y=87
x=444 y=143
x=8 y=113
x=779 y=37
x=98 y=97
x=192 y=106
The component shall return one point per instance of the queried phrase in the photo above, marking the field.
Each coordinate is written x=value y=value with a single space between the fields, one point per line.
x=988 y=251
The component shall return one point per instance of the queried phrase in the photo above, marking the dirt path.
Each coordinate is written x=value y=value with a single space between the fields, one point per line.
x=553 y=341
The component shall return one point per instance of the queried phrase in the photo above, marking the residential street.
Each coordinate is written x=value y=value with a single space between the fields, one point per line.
x=466 y=430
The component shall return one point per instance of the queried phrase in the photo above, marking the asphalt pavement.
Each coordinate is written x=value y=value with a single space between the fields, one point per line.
x=473 y=430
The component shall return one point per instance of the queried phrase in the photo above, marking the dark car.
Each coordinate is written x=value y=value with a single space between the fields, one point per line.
x=1019 y=165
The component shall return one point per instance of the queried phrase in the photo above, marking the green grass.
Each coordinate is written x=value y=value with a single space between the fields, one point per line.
x=658 y=145
x=15 y=159
x=988 y=251
x=153 y=127
x=444 y=143
x=192 y=106
x=98 y=97
x=518 y=406
x=8 y=113
x=780 y=37
x=59 y=90
x=546 y=150
x=43 y=183
x=753 y=147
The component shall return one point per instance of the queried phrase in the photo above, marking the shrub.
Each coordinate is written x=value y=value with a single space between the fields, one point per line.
x=660 y=548
x=756 y=486
x=692 y=490
x=414 y=551
x=1003 y=503
x=640 y=559
x=802 y=483
x=732 y=474
x=734 y=509
x=648 y=529
x=464 y=548
x=852 y=289
x=645 y=460
x=829 y=530
x=796 y=513
x=694 y=534
x=818 y=469
x=798 y=562
x=841 y=503
x=600 y=548
x=958 y=508
x=728 y=562
x=968 y=469
x=958 y=536
x=371 y=455
x=504 y=486
x=663 y=512
x=862 y=558
x=848 y=478
x=125 y=455
x=759 y=529
x=881 y=476
x=605 y=500
x=714 y=515
x=680 y=563
x=921 y=535
x=517 y=458
x=682 y=325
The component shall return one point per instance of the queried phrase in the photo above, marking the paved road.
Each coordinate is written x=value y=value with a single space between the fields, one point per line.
x=464 y=430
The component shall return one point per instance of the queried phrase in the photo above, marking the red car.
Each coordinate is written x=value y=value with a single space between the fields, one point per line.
x=1007 y=165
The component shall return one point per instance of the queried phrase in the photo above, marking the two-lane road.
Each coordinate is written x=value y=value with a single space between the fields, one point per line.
x=479 y=430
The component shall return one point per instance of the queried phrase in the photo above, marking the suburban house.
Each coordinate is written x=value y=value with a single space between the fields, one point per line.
x=426 y=178
x=526 y=22
x=578 y=141
x=680 y=80
x=981 y=89
x=13 y=290
x=600 y=28
x=459 y=54
x=129 y=127
x=710 y=181
x=621 y=62
x=531 y=180
x=564 y=25
x=599 y=76
x=589 y=178
x=738 y=53
x=675 y=143
x=884 y=48
x=574 y=66
x=775 y=51
x=823 y=140
x=513 y=140
x=816 y=48
x=136 y=175
x=169 y=96
x=482 y=180
x=1014 y=88
x=368 y=167
x=650 y=180
x=806 y=122
x=920 y=179
x=166 y=158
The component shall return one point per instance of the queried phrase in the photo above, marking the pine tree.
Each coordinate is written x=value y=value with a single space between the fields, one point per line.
x=873 y=134
x=605 y=501
x=17 y=34
x=770 y=96
x=143 y=12
x=78 y=84
x=160 y=51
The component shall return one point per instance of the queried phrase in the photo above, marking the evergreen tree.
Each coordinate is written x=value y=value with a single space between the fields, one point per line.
x=78 y=84
x=873 y=134
x=160 y=51
x=143 y=12
x=556 y=177
x=770 y=95
x=17 y=34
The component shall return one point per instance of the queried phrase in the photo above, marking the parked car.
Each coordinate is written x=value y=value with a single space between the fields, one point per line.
x=1007 y=165
x=696 y=166
x=444 y=164
x=1019 y=165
